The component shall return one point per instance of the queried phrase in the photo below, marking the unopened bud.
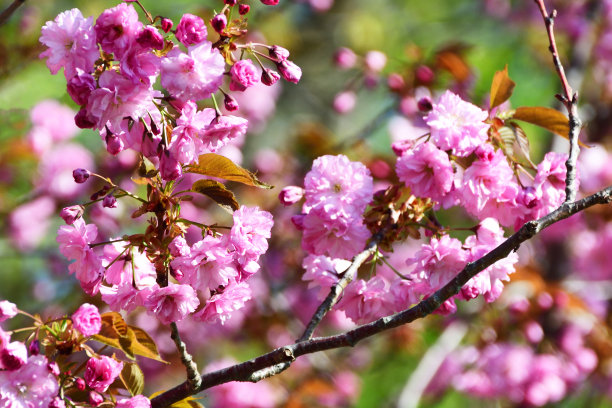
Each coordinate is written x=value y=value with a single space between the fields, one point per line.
x=95 y=399
x=243 y=9
x=395 y=82
x=270 y=2
x=344 y=102
x=230 y=103
x=278 y=53
x=345 y=58
x=290 y=71
x=80 y=384
x=230 y=2
x=269 y=77
x=219 y=22
x=425 y=104
x=424 y=74
x=109 y=201
x=80 y=175
x=375 y=61
x=114 y=144
x=166 y=24
x=34 y=348
x=82 y=120
x=57 y=402
x=290 y=195
x=71 y=214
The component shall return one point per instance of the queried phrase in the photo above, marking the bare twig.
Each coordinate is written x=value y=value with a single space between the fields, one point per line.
x=570 y=100
x=194 y=380
x=279 y=359
x=8 y=12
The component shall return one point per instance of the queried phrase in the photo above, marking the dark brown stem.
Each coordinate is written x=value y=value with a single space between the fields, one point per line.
x=8 y=12
x=570 y=100
x=194 y=379
x=281 y=358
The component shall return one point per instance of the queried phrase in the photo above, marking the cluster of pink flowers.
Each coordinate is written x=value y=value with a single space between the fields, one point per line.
x=337 y=192
x=27 y=379
x=488 y=186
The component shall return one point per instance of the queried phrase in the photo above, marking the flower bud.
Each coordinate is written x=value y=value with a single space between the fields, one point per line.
x=71 y=214
x=219 y=22
x=425 y=104
x=13 y=356
x=424 y=74
x=80 y=384
x=114 y=144
x=95 y=399
x=269 y=77
x=345 y=58
x=57 y=402
x=344 y=102
x=166 y=24
x=375 y=61
x=270 y=2
x=290 y=71
x=170 y=168
x=395 y=82
x=230 y=2
x=290 y=195
x=53 y=368
x=82 y=120
x=149 y=37
x=278 y=53
x=230 y=103
x=80 y=87
x=243 y=9
x=109 y=201
x=34 y=348
x=80 y=175
x=8 y=310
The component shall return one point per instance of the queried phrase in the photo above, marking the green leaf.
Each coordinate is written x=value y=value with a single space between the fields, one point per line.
x=214 y=165
x=133 y=378
x=516 y=143
x=501 y=88
x=217 y=191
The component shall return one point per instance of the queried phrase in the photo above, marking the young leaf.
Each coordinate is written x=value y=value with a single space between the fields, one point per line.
x=144 y=345
x=547 y=118
x=133 y=378
x=189 y=402
x=516 y=143
x=217 y=191
x=501 y=88
x=214 y=165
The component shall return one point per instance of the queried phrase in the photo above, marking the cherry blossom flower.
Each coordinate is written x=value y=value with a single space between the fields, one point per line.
x=32 y=385
x=87 y=320
x=100 y=372
x=171 y=303
x=221 y=305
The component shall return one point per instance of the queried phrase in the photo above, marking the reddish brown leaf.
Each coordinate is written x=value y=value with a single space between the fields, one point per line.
x=501 y=88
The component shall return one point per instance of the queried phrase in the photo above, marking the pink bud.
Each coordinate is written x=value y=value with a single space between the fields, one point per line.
x=166 y=24
x=375 y=61
x=34 y=348
x=269 y=77
x=8 y=310
x=290 y=195
x=109 y=201
x=424 y=74
x=345 y=101
x=290 y=71
x=57 y=402
x=81 y=86
x=395 y=82
x=82 y=120
x=71 y=214
x=13 y=356
x=95 y=399
x=278 y=53
x=53 y=368
x=230 y=103
x=345 y=58
x=114 y=144
x=230 y=2
x=80 y=175
x=219 y=22
x=170 y=168
x=80 y=384
x=425 y=104
x=270 y=2
x=243 y=9
x=149 y=37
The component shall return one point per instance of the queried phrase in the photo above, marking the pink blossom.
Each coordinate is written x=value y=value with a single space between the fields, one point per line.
x=31 y=386
x=550 y=183
x=336 y=237
x=221 y=305
x=171 y=303
x=71 y=43
x=192 y=76
x=169 y=167
x=7 y=310
x=140 y=65
x=486 y=179
x=79 y=87
x=117 y=97
x=251 y=231
x=222 y=130
x=127 y=266
x=150 y=38
x=124 y=297
x=138 y=401
x=289 y=71
x=87 y=320
x=100 y=372
x=338 y=185
x=116 y=29
x=13 y=356
x=322 y=272
x=291 y=195
x=29 y=222
x=179 y=247
x=457 y=125
x=440 y=260
x=207 y=265
x=187 y=144
x=427 y=171
x=344 y=102
x=365 y=301
x=375 y=60
x=345 y=58
x=191 y=30
x=244 y=75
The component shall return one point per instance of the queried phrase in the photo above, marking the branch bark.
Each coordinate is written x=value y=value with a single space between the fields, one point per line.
x=281 y=358
x=8 y=12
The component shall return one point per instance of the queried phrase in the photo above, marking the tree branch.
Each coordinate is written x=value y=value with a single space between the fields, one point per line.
x=194 y=380
x=8 y=12
x=570 y=100
x=279 y=359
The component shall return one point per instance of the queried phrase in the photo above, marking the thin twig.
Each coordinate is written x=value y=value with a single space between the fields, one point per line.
x=8 y=12
x=194 y=380
x=279 y=359
x=570 y=100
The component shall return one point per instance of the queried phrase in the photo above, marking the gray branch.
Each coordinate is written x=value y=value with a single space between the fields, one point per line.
x=194 y=380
